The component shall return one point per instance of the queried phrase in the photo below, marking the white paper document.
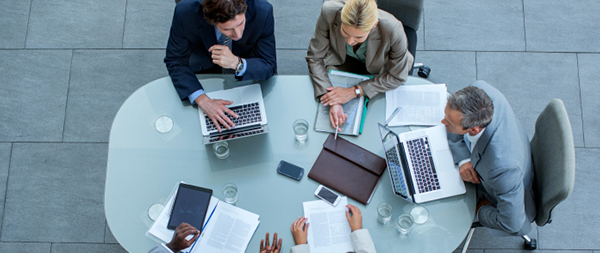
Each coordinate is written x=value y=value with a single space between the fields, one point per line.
x=226 y=229
x=230 y=230
x=419 y=104
x=329 y=230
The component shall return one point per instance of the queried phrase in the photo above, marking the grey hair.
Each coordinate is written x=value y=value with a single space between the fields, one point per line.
x=474 y=105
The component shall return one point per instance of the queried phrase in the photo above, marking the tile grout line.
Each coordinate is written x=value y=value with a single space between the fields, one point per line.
x=67 y=97
x=6 y=189
x=580 y=99
x=524 y=25
x=28 y=19
x=476 y=67
x=124 y=23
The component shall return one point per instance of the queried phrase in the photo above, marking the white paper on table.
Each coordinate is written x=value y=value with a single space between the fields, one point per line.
x=229 y=230
x=420 y=104
x=329 y=230
x=159 y=228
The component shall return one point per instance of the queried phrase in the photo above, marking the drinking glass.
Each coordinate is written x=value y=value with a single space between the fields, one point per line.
x=405 y=223
x=301 y=130
x=221 y=149
x=384 y=212
x=230 y=193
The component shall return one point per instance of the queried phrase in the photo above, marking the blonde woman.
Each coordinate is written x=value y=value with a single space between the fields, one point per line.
x=355 y=36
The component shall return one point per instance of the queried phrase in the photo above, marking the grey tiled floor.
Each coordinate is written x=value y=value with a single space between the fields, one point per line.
x=67 y=66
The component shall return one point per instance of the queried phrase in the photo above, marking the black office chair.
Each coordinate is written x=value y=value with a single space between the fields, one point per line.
x=553 y=155
x=409 y=12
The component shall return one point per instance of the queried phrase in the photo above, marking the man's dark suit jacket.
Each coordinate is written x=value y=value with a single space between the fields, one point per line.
x=191 y=36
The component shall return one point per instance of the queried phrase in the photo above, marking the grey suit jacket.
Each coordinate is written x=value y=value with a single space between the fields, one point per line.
x=387 y=53
x=502 y=158
x=361 y=241
x=160 y=249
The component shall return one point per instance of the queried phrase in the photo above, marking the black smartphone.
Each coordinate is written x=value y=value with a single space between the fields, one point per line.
x=290 y=170
x=191 y=205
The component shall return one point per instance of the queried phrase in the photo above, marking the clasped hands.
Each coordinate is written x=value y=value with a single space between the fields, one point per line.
x=335 y=98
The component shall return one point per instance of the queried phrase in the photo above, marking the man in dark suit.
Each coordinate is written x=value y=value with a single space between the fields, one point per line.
x=492 y=150
x=220 y=36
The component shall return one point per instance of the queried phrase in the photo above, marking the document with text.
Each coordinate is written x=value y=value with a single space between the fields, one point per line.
x=227 y=228
x=419 y=104
x=329 y=230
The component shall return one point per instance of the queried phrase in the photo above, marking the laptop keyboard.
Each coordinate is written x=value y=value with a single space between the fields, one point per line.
x=247 y=114
x=398 y=181
x=236 y=135
x=422 y=162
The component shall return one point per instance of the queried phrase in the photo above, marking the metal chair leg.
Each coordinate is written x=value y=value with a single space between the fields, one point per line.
x=530 y=244
x=468 y=240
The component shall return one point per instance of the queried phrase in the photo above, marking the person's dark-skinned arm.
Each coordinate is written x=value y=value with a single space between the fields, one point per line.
x=181 y=232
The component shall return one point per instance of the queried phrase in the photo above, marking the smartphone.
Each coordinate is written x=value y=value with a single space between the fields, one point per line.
x=191 y=205
x=290 y=170
x=327 y=195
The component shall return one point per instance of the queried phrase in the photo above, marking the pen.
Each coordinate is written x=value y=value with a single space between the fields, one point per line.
x=393 y=115
x=203 y=227
x=336 y=131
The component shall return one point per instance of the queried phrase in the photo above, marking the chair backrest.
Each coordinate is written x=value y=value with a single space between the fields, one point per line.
x=553 y=153
x=409 y=12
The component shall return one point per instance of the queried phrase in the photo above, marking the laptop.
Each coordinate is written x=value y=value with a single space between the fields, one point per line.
x=248 y=104
x=420 y=164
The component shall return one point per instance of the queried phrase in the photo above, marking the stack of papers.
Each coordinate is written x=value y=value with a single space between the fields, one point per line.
x=419 y=104
x=227 y=228
x=329 y=230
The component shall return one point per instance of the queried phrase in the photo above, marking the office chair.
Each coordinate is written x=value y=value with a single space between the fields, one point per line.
x=409 y=12
x=553 y=155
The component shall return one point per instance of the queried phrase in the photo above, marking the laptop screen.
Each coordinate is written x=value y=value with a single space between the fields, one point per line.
x=390 y=146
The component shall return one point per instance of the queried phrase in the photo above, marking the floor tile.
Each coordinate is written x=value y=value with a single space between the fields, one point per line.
x=76 y=24
x=455 y=69
x=483 y=240
x=575 y=221
x=147 y=23
x=56 y=188
x=588 y=80
x=530 y=80
x=5 y=149
x=24 y=247
x=482 y=25
x=101 y=80
x=14 y=16
x=33 y=94
x=87 y=247
x=562 y=26
x=291 y=62
x=108 y=236
x=295 y=22
x=536 y=251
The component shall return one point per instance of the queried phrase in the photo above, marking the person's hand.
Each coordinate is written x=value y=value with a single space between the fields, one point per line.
x=215 y=109
x=337 y=117
x=467 y=173
x=266 y=248
x=222 y=56
x=299 y=230
x=181 y=232
x=481 y=203
x=337 y=96
x=355 y=220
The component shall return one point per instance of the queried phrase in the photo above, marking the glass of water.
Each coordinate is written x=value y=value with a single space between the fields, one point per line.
x=384 y=212
x=301 y=130
x=230 y=193
x=405 y=223
x=221 y=149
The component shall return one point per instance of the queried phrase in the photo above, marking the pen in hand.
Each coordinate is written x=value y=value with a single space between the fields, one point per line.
x=336 y=129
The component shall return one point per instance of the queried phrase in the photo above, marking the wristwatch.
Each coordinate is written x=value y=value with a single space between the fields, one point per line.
x=357 y=91
x=240 y=66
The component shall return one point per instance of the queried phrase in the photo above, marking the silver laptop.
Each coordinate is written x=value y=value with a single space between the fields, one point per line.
x=420 y=164
x=248 y=104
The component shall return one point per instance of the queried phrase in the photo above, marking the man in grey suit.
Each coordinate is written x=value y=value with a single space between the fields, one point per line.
x=492 y=150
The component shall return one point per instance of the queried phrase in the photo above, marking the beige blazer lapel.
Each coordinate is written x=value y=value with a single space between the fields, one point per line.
x=373 y=65
x=340 y=42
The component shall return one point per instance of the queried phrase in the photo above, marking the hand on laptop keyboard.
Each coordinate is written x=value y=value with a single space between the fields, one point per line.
x=216 y=110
